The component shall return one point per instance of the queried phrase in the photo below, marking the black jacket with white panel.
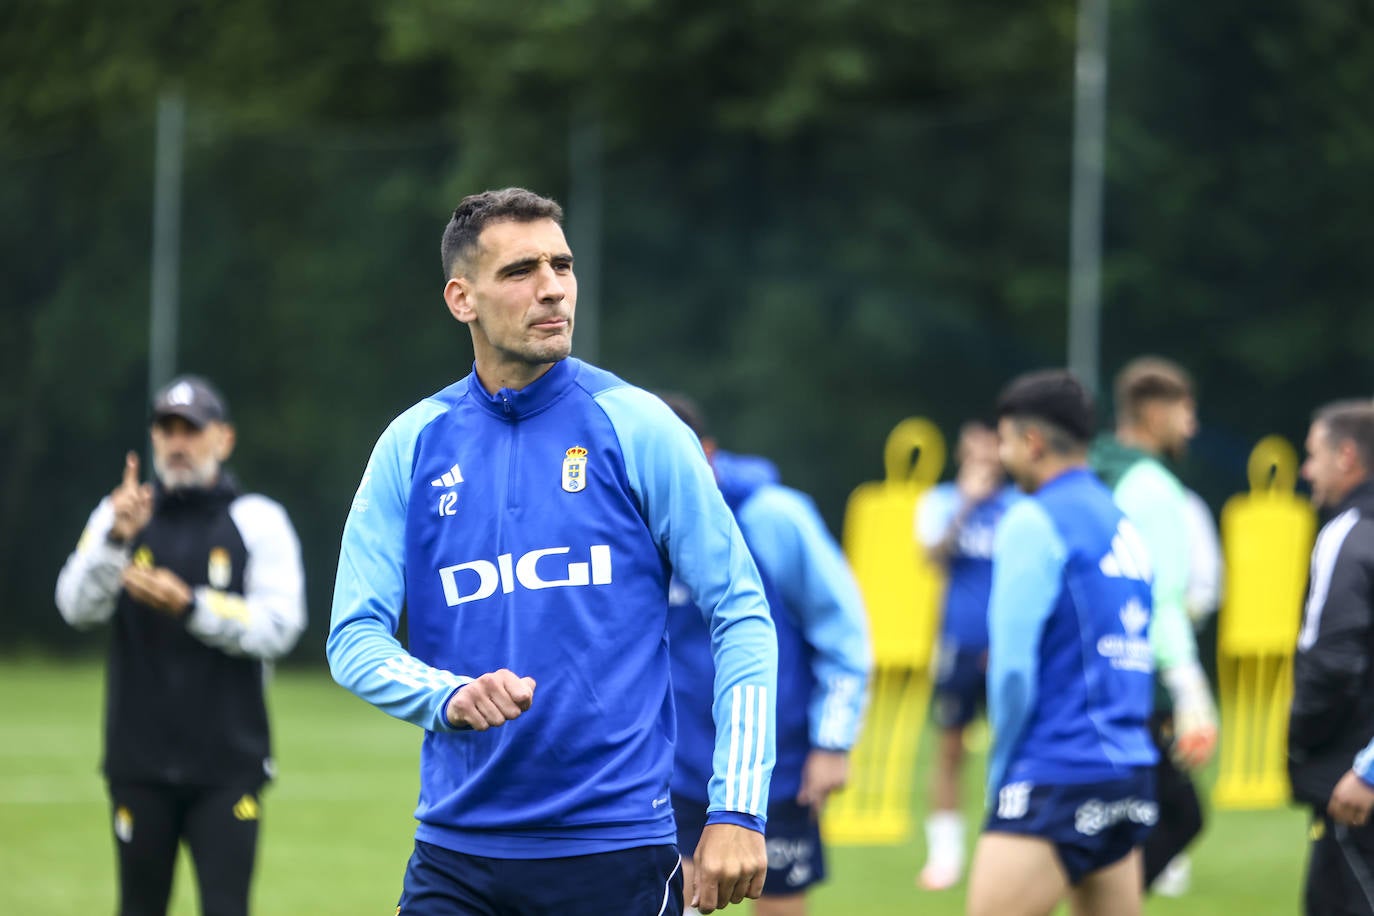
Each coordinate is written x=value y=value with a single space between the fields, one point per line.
x=1332 y=716
x=185 y=695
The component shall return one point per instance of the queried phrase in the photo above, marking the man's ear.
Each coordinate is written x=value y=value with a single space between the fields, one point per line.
x=458 y=298
x=1149 y=414
x=1348 y=457
x=227 y=440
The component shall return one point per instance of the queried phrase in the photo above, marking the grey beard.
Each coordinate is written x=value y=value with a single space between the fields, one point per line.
x=196 y=477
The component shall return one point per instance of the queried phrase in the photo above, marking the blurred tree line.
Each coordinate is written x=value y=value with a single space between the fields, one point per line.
x=816 y=218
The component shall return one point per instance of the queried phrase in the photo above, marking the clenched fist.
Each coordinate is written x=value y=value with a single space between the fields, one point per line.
x=493 y=699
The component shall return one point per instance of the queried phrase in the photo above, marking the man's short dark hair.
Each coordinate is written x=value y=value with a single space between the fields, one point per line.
x=476 y=211
x=1057 y=400
x=687 y=410
x=1149 y=378
x=1350 y=421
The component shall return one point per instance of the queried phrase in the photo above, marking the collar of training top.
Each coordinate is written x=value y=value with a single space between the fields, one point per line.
x=224 y=489
x=1361 y=497
x=533 y=398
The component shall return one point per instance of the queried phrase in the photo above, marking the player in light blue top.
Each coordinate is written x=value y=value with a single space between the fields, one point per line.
x=1069 y=674
x=823 y=664
x=526 y=519
x=955 y=524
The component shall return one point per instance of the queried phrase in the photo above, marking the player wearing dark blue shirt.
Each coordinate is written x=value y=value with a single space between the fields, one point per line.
x=526 y=519
x=1069 y=674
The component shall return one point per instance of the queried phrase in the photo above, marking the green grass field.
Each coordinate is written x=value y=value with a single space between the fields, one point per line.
x=337 y=826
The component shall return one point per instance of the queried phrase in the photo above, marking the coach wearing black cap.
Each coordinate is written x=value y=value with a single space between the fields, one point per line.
x=202 y=586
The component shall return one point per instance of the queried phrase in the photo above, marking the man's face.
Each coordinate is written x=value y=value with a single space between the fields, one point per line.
x=518 y=293
x=1014 y=450
x=978 y=445
x=186 y=456
x=1323 y=468
x=1174 y=423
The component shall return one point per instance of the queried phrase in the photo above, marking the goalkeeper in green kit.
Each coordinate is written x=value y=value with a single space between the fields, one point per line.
x=1156 y=415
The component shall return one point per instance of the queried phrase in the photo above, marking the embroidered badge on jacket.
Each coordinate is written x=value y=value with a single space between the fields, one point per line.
x=575 y=469
x=221 y=570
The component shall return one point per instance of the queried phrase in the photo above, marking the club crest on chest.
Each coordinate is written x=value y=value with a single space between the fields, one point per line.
x=575 y=469
x=220 y=570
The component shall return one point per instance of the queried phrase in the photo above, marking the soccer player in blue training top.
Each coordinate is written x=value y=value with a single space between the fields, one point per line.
x=526 y=519
x=955 y=523
x=1069 y=674
x=823 y=664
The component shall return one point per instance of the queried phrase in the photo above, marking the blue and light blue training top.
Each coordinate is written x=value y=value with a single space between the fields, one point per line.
x=969 y=570
x=1069 y=664
x=823 y=648
x=534 y=530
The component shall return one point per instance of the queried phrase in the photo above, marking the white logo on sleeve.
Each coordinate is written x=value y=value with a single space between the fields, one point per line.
x=479 y=579
x=359 y=500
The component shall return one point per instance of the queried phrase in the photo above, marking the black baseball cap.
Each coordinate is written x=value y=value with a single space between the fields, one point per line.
x=193 y=399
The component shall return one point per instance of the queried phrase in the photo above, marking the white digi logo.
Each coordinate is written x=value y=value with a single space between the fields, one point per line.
x=507 y=572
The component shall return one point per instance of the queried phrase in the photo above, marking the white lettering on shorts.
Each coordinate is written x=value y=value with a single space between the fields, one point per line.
x=1095 y=815
x=1014 y=800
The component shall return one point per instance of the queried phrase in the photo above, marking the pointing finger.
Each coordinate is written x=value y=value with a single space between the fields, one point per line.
x=131 y=470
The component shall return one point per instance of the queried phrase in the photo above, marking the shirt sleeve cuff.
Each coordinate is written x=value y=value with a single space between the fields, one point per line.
x=1364 y=765
x=738 y=818
x=441 y=722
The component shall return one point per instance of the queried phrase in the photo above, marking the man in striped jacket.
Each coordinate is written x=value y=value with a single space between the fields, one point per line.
x=1332 y=717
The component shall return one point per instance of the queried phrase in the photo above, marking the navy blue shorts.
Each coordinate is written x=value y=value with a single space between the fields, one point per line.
x=1091 y=825
x=961 y=685
x=644 y=881
x=795 y=857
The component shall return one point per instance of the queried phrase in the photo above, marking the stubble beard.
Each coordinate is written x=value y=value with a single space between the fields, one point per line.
x=1024 y=482
x=548 y=350
x=1176 y=450
x=192 y=477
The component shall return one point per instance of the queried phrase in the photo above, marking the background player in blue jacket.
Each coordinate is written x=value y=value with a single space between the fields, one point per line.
x=526 y=519
x=823 y=664
x=955 y=524
x=1069 y=674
